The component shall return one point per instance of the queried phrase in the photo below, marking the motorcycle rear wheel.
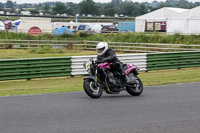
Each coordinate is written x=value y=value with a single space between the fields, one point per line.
x=91 y=89
x=135 y=90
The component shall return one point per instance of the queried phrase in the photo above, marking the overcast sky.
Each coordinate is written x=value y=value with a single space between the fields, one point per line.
x=78 y=1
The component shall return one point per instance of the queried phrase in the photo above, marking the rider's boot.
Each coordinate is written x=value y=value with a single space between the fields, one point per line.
x=125 y=78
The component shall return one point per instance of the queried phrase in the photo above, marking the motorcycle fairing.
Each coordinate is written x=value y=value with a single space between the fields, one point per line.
x=104 y=65
x=128 y=68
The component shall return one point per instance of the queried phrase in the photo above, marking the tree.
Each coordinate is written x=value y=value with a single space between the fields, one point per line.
x=34 y=11
x=60 y=8
x=109 y=10
x=88 y=7
x=126 y=8
x=135 y=13
x=143 y=9
x=73 y=8
x=116 y=2
x=9 y=4
x=1 y=5
x=197 y=4
x=46 y=8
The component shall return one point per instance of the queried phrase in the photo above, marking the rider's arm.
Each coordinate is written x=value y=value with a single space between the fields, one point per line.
x=99 y=60
x=111 y=56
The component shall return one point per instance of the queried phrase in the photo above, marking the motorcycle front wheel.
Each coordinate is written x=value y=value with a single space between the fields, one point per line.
x=135 y=89
x=91 y=89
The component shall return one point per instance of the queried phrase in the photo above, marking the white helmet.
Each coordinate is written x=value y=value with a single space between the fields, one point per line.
x=102 y=47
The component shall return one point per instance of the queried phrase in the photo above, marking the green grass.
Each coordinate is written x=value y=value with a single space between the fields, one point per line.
x=39 y=53
x=67 y=84
x=28 y=53
x=111 y=37
x=38 y=86
x=171 y=76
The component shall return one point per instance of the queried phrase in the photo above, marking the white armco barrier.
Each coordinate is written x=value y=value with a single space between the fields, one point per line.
x=139 y=60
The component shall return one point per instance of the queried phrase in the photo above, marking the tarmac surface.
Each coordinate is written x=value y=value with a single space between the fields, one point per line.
x=160 y=109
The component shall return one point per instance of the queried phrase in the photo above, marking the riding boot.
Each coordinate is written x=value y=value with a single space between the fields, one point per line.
x=125 y=78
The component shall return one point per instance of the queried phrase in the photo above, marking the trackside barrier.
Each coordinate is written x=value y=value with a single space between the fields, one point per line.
x=137 y=59
x=11 y=69
x=173 y=60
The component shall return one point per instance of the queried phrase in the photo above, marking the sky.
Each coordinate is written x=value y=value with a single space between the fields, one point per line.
x=78 y=1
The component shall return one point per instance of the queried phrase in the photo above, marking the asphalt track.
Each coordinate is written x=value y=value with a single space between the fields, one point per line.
x=160 y=109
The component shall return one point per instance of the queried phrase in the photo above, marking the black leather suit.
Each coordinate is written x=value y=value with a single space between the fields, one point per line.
x=110 y=56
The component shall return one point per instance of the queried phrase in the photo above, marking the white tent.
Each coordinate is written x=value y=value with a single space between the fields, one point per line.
x=2 y=26
x=185 y=23
x=156 y=16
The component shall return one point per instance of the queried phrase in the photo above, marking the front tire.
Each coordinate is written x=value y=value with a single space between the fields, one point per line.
x=137 y=89
x=91 y=89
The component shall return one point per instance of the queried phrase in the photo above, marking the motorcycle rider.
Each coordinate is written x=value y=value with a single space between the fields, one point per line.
x=106 y=54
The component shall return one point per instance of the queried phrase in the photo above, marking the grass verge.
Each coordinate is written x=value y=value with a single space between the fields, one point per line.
x=39 y=53
x=110 y=37
x=67 y=84
x=27 y=53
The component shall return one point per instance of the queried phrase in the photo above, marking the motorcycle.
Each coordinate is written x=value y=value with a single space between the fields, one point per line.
x=104 y=77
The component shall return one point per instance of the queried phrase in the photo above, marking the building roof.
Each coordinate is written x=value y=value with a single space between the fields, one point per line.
x=193 y=13
x=162 y=13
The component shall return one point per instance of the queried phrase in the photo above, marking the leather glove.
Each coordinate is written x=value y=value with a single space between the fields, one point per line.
x=104 y=60
x=97 y=61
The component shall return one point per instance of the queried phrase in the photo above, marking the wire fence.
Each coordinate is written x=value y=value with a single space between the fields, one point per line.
x=91 y=45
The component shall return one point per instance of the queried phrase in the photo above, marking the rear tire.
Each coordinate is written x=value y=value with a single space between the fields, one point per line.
x=135 y=90
x=92 y=90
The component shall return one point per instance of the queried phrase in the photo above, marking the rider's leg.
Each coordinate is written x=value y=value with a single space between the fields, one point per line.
x=119 y=68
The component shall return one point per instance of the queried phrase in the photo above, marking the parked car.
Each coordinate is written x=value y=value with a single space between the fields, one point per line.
x=108 y=28
x=83 y=28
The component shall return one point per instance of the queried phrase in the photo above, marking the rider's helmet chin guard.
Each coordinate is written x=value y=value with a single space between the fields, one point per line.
x=102 y=47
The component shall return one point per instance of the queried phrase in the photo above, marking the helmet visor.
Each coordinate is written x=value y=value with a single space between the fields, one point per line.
x=100 y=50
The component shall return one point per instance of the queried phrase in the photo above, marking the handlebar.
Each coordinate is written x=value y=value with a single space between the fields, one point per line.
x=98 y=61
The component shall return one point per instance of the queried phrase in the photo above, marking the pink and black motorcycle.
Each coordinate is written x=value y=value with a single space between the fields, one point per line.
x=103 y=77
